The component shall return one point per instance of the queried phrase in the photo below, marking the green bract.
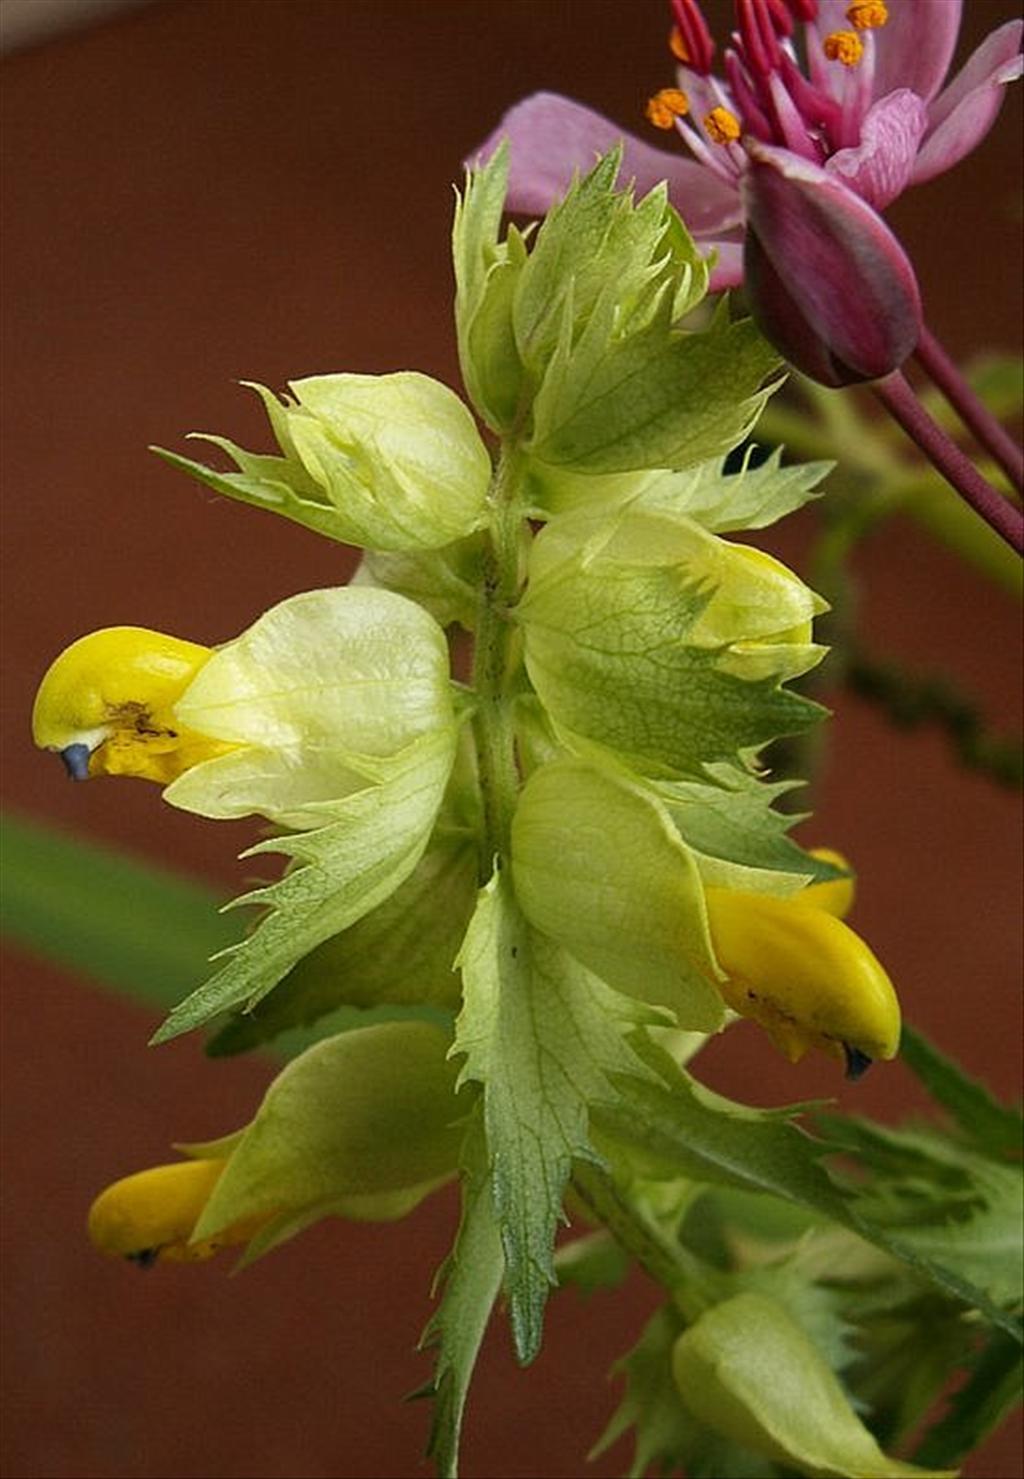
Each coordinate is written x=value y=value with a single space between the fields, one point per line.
x=651 y=636
x=747 y=1370
x=520 y=860
x=356 y=1121
x=390 y=462
x=315 y=694
x=599 y=867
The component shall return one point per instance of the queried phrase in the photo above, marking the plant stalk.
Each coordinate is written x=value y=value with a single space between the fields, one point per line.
x=493 y=661
x=666 y=1264
x=972 y=411
x=956 y=467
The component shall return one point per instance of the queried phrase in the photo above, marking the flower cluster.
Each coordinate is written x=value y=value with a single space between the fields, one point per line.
x=828 y=110
x=556 y=868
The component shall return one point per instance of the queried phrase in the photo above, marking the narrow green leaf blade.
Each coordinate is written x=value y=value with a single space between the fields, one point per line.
x=992 y=1127
x=472 y=1278
x=990 y=1394
x=65 y=899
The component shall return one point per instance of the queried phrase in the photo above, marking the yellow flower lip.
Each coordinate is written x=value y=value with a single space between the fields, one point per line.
x=794 y=967
x=106 y=705
x=148 y=1217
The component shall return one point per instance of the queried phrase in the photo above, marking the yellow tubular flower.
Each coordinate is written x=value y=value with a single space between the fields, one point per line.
x=835 y=897
x=807 y=978
x=106 y=706
x=148 y=1217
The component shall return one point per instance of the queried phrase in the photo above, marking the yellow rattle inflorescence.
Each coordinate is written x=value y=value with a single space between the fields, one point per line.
x=148 y=1217
x=794 y=967
x=106 y=706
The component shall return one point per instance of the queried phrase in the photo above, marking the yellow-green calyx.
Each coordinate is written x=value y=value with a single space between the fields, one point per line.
x=106 y=706
x=148 y=1217
x=794 y=967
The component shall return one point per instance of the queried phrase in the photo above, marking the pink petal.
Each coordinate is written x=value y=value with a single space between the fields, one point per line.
x=915 y=46
x=551 y=136
x=879 y=168
x=963 y=113
x=728 y=269
x=827 y=281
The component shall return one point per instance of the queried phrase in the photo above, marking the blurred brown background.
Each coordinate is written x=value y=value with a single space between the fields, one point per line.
x=201 y=191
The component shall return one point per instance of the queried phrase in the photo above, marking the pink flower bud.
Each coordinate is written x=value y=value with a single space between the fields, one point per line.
x=828 y=283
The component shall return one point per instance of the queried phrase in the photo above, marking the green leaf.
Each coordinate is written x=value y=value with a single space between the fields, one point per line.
x=64 y=899
x=681 y=1128
x=749 y=1371
x=370 y=844
x=993 y=1128
x=910 y=1339
x=402 y=952
x=546 y=1040
x=660 y=398
x=366 y=1113
x=737 y=838
x=599 y=868
x=941 y=1203
x=686 y=1130
x=264 y=490
x=599 y=256
x=472 y=1278
x=487 y=273
x=751 y=498
x=663 y=642
x=991 y=1393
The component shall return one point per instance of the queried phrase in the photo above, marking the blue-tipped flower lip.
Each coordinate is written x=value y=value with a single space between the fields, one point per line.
x=76 y=761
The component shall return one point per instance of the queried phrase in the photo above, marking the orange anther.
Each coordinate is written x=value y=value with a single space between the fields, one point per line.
x=666 y=106
x=843 y=46
x=721 y=126
x=677 y=46
x=867 y=15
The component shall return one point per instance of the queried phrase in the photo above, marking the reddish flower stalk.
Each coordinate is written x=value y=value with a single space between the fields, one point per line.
x=972 y=411
x=956 y=467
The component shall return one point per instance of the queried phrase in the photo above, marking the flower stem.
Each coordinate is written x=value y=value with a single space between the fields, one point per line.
x=493 y=660
x=972 y=411
x=955 y=466
x=667 y=1264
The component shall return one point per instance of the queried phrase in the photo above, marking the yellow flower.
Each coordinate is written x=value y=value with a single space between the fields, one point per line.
x=793 y=966
x=148 y=1217
x=106 y=706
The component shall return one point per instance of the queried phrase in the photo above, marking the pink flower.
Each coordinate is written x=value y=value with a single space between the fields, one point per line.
x=866 y=108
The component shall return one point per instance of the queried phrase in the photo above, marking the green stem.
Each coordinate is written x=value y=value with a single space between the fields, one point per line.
x=667 y=1264
x=494 y=658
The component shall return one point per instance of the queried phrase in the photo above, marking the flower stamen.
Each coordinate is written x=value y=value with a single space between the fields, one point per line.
x=677 y=46
x=666 y=106
x=694 y=37
x=843 y=46
x=721 y=126
x=867 y=15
